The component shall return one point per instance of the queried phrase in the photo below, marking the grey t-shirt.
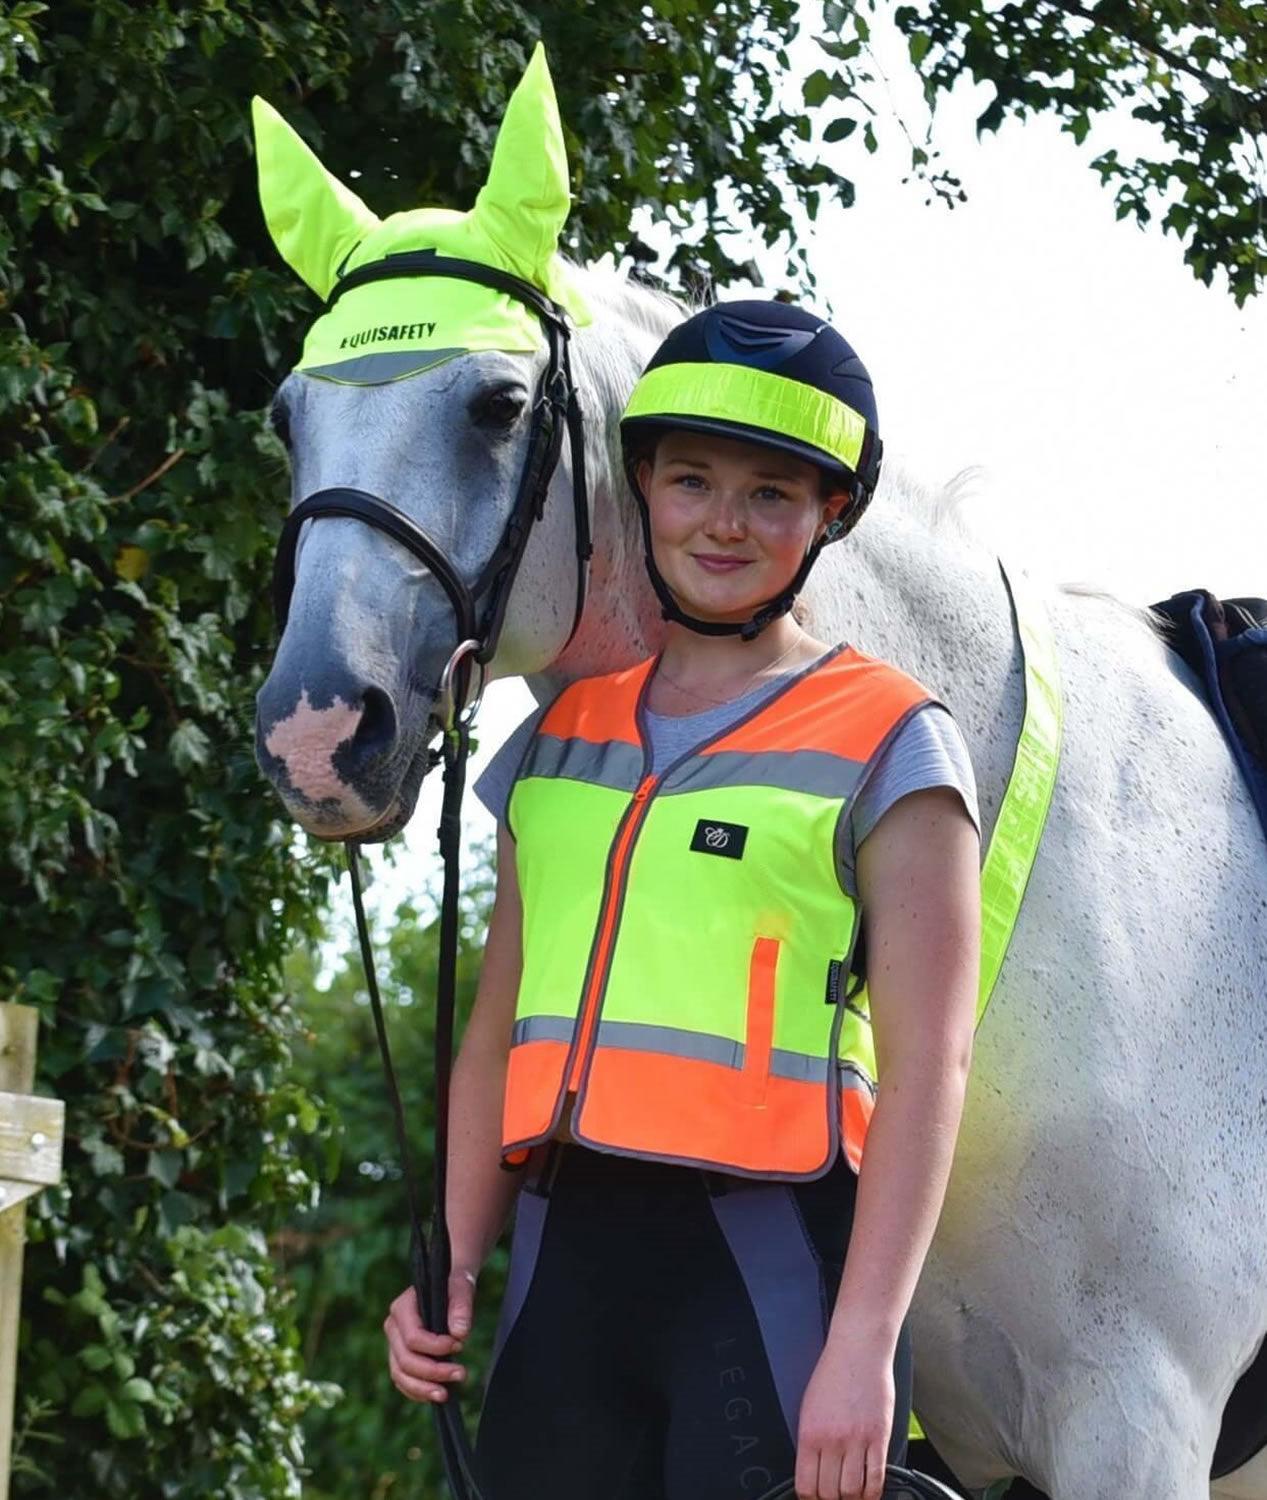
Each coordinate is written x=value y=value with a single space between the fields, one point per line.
x=927 y=751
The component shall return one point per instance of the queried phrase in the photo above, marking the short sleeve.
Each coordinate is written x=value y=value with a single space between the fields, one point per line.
x=929 y=750
x=493 y=785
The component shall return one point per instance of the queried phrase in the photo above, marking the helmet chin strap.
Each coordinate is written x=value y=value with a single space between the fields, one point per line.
x=765 y=615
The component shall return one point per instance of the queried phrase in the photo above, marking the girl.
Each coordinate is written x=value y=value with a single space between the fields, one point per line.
x=709 y=1277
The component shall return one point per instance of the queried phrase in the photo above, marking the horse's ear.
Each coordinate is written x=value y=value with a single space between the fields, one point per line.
x=314 y=220
x=524 y=204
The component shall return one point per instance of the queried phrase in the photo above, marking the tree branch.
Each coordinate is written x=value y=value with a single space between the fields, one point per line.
x=169 y=462
x=1172 y=59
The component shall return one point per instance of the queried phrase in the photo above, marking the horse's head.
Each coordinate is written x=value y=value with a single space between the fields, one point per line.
x=421 y=389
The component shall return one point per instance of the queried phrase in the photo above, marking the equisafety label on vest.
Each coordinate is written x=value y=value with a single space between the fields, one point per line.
x=726 y=839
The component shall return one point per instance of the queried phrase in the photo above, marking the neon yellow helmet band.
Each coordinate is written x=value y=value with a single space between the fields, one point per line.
x=755 y=398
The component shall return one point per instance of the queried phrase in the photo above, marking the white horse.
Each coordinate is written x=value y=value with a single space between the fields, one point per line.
x=1098 y=1280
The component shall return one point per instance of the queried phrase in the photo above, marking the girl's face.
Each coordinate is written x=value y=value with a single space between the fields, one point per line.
x=731 y=521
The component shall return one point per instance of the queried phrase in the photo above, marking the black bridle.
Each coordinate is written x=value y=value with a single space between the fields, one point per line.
x=479 y=612
x=479 y=609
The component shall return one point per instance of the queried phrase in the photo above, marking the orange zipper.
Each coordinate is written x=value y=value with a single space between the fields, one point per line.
x=607 y=931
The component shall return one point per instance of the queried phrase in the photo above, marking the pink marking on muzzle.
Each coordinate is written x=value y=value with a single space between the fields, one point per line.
x=305 y=742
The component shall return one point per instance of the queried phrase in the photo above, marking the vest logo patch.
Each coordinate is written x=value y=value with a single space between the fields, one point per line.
x=726 y=839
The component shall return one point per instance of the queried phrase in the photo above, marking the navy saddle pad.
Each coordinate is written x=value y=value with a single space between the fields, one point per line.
x=1224 y=641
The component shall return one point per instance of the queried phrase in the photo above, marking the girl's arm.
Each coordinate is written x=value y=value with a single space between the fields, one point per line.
x=480 y=1193
x=919 y=884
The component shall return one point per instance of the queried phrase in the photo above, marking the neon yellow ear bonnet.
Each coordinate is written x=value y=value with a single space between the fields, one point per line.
x=390 y=329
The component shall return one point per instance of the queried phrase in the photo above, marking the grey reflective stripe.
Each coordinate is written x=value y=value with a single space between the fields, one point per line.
x=542 y=1029
x=799 y=1066
x=379 y=369
x=613 y=764
x=763 y=1228
x=699 y=1046
x=702 y=1046
x=813 y=771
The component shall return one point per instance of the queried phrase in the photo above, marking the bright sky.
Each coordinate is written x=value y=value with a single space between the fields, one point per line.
x=1116 y=406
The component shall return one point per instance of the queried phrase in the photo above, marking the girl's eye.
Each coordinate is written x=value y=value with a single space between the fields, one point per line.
x=691 y=481
x=771 y=492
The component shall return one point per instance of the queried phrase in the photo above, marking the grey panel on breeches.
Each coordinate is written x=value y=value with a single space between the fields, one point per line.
x=763 y=1228
x=530 y=1223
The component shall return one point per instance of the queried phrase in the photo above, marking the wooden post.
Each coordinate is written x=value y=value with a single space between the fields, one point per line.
x=30 y=1159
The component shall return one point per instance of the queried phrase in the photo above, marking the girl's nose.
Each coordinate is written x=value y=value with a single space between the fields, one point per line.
x=727 y=517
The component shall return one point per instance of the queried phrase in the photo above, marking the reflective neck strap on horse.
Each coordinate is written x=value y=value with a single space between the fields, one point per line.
x=1031 y=784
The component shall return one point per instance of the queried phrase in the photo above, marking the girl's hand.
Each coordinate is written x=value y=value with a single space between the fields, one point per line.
x=415 y=1355
x=846 y=1418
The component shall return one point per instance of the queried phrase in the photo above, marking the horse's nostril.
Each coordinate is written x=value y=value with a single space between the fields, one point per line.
x=377 y=729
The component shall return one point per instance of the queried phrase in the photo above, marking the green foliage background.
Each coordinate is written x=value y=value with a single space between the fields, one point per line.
x=1192 y=72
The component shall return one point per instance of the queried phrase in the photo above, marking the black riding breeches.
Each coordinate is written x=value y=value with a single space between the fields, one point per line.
x=659 y=1329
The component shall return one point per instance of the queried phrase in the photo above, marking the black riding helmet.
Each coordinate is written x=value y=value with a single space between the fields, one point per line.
x=769 y=373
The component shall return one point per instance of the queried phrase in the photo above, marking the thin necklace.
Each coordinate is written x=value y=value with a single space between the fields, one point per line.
x=717 y=702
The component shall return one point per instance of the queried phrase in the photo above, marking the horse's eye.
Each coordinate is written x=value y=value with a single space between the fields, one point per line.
x=500 y=409
x=279 y=421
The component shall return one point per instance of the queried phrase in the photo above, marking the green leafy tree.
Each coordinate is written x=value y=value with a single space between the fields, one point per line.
x=1195 y=71
x=151 y=891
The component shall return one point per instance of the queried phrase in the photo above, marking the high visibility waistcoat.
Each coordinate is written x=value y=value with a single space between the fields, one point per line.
x=686 y=940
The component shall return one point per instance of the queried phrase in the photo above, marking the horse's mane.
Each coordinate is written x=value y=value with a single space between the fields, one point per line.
x=943 y=508
x=630 y=320
x=648 y=308
x=950 y=510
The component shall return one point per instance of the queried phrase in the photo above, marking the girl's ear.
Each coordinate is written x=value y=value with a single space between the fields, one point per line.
x=835 y=508
x=642 y=472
